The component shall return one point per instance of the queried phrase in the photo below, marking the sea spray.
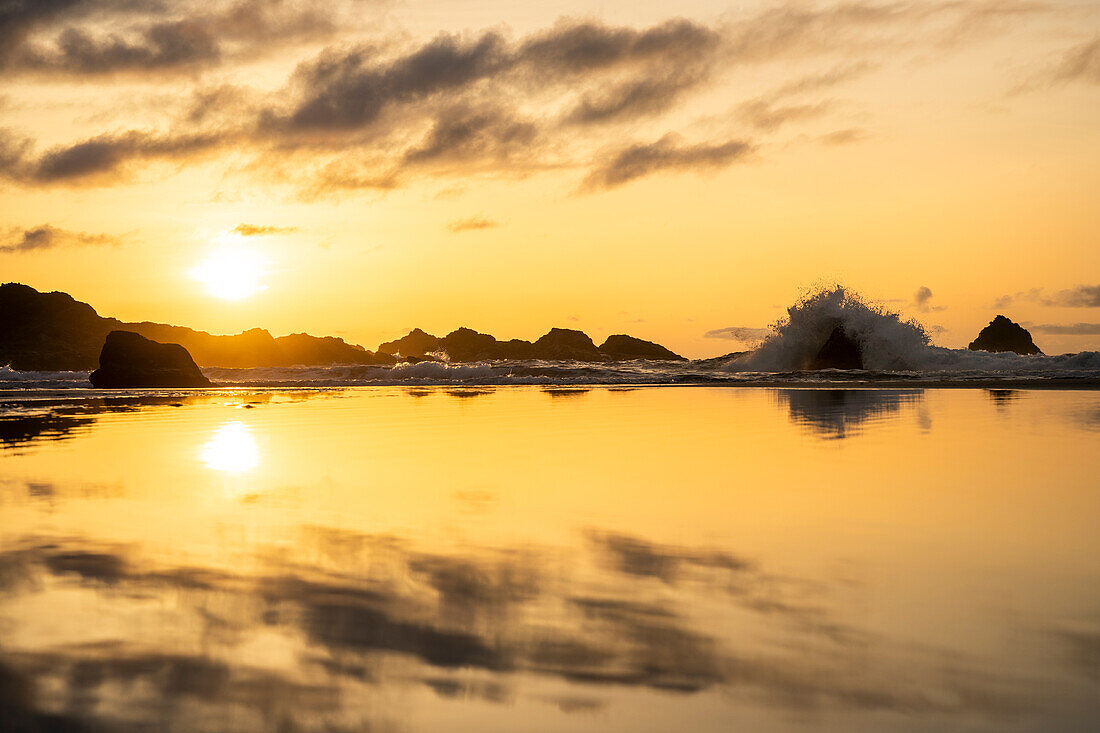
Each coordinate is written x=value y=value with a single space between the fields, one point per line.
x=887 y=342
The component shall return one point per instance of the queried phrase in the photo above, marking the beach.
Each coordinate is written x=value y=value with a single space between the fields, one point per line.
x=560 y=557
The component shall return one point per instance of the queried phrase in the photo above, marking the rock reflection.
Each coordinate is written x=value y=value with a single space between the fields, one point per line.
x=19 y=431
x=840 y=413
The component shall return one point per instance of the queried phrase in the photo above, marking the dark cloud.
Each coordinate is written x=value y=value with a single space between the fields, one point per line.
x=107 y=154
x=463 y=133
x=157 y=37
x=48 y=237
x=1081 y=296
x=349 y=89
x=668 y=153
x=159 y=46
x=376 y=116
x=738 y=333
x=1068 y=329
x=345 y=89
x=922 y=300
x=766 y=114
x=472 y=224
x=252 y=230
x=634 y=98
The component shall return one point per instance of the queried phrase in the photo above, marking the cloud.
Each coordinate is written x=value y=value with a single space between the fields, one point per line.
x=739 y=333
x=844 y=137
x=766 y=114
x=922 y=300
x=668 y=153
x=105 y=155
x=1068 y=329
x=1081 y=296
x=252 y=230
x=1080 y=63
x=49 y=237
x=472 y=224
x=159 y=46
x=378 y=115
x=155 y=37
x=462 y=133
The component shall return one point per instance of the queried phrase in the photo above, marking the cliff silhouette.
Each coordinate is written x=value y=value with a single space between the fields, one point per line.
x=55 y=332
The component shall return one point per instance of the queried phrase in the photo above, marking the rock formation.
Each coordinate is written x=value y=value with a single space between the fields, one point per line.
x=625 y=347
x=567 y=344
x=415 y=343
x=1003 y=334
x=54 y=332
x=840 y=351
x=130 y=360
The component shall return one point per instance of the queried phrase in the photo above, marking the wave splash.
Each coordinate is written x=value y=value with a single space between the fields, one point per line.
x=887 y=342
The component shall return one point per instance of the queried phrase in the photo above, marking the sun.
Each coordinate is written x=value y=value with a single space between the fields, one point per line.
x=231 y=271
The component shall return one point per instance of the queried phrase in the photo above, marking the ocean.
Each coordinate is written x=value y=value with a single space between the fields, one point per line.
x=463 y=556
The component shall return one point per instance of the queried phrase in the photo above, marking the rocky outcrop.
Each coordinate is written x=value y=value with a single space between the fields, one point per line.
x=466 y=344
x=415 y=343
x=624 y=347
x=1002 y=334
x=301 y=348
x=54 y=332
x=561 y=344
x=130 y=360
x=840 y=351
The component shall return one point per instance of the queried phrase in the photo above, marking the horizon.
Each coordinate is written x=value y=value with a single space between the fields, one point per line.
x=749 y=343
x=362 y=168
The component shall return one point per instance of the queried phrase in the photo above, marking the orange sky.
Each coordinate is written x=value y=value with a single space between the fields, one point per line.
x=515 y=166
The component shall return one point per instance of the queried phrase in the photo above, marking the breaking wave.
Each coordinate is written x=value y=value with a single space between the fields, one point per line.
x=896 y=352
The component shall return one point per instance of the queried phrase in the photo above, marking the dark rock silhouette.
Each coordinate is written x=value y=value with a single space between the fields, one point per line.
x=52 y=331
x=466 y=344
x=301 y=348
x=1003 y=334
x=840 y=351
x=565 y=343
x=625 y=347
x=130 y=360
x=415 y=343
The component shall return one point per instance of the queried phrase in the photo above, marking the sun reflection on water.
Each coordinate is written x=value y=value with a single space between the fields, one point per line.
x=232 y=449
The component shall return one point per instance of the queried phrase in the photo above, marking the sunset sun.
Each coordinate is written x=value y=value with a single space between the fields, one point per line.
x=231 y=272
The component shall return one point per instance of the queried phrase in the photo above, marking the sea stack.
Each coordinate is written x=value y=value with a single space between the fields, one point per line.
x=840 y=351
x=1002 y=334
x=129 y=359
x=624 y=347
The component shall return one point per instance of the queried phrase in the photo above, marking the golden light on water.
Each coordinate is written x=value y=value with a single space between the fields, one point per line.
x=231 y=271
x=232 y=449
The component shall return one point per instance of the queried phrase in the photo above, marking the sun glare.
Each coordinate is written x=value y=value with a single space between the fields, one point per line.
x=232 y=449
x=231 y=271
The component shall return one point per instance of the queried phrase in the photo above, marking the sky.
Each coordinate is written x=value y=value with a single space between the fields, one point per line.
x=681 y=173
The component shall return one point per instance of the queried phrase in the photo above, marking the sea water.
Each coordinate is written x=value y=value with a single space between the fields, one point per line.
x=562 y=557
